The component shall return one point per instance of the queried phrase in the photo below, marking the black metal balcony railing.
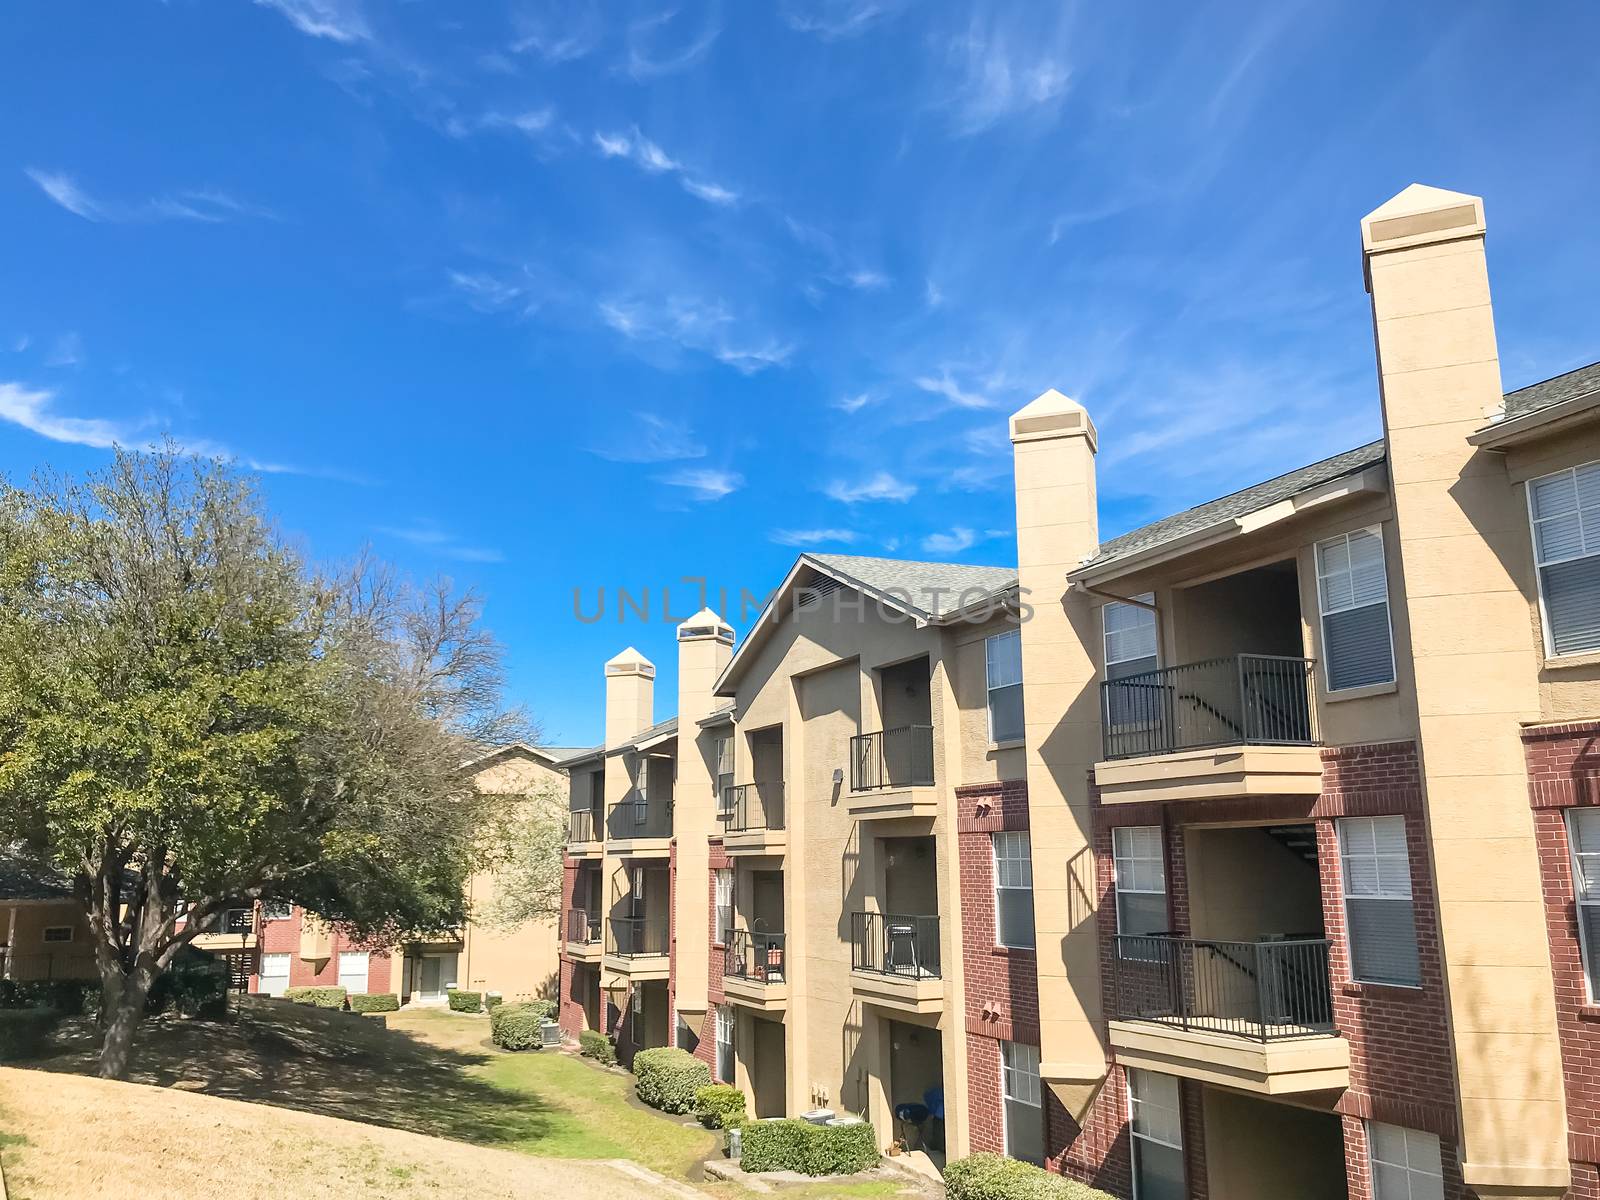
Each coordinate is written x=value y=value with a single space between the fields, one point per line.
x=892 y=758
x=635 y=936
x=1264 y=991
x=1247 y=699
x=632 y=820
x=892 y=944
x=581 y=826
x=749 y=806
x=755 y=956
x=234 y=921
x=583 y=927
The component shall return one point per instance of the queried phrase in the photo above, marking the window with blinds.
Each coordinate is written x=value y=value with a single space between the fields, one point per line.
x=725 y=1044
x=1004 y=655
x=353 y=973
x=1406 y=1164
x=1024 y=1104
x=724 y=780
x=724 y=905
x=641 y=791
x=1156 y=1122
x=1564 y=509
x=1013 y=889
x=1583 y=836
x=1141 y=883
x=1353 y=588
x=1379 y=917
x=1130 y=649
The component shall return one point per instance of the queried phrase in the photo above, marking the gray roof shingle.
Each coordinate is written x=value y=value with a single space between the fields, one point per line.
x=935 y=589
x=659 y=729
x=1570 y=386
x=25 y=878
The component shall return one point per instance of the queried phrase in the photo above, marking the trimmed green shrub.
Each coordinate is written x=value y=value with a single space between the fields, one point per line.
x=466 y=1001
x=719 y=1106
x=791 y=1144
x=317 y=997
x=668 y=1078
x=493 y=1000
x=516 y=1026
x=69 y=997
x=375 y=1002
x=596 y=1045
x=23 y=1032
x=996 y=1177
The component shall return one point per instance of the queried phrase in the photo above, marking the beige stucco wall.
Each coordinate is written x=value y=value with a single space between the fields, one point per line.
x=1244 y=885
x=22 y=927
x=980 y=760
x=1260 y=1150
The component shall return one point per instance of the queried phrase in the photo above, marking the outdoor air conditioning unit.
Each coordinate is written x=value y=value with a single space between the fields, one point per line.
x=549 y=1034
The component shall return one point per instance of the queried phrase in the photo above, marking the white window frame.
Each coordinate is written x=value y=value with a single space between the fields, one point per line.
x=636 y=1024
x=1149 y=598
x=1539 y=563
x=724 y=883
x=1019 y=1064
x=1418 y=1145
x=1580 y=892
x=1134 y=1101
x=1118 y=858
x=366 y=970
x=641 y=790
x=991 y=687
x=44 y=935
x=1342 y=826
x=1022 y=865
x=262 y=976
x=1324 y=612
x=726 y=1023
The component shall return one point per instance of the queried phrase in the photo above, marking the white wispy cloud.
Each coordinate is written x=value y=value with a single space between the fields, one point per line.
x=653 y=438
x=1000 y=68
x=813 y=537
x=866 y=280
x=945 y=385
x=693 y=324
x=710 y=192
x=958 y=539
x=430 y=536
x=206 y=205
x=336 y=20
x=833 y=20
x=652 y=51
x=484 y=292
x=705 y=483
x=567 y=31
x=532 y=122
x=649 y=157
x=66 y=351
x=852 y=404
x=932 y=294
x=748 y=360
x=878 y=486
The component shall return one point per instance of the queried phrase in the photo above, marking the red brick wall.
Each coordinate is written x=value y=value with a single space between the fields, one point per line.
x=1564 y=772
x=283 y=937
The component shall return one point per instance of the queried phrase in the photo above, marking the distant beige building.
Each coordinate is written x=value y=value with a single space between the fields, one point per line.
x=1252 y=854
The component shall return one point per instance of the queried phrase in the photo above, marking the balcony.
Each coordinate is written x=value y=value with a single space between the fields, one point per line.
x=1236 y=726
x=584 y=939
x=583 y=834
x=894 y=961
x=891 y=773
x=753 y=970
x=232 y=929
x=753 y=816
x=636 y=829
x=1255 y=1016
x=640 y=948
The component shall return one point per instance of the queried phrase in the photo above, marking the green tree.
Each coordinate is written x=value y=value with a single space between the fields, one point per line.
x=189 y=718
x=530 y=833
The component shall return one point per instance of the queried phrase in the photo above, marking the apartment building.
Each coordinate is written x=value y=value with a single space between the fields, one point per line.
x=1252 y=853
x=271 y=947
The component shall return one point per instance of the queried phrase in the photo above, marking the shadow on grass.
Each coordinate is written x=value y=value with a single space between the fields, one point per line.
x=329 y=1063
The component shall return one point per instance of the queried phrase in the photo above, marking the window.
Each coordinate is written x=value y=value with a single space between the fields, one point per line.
x=1024 y=1109
x=724 y=778
x=276 y=910
x=636 y=1016
x=724 y=906
x=1405 y=1163
x=353 y=973
x=641 y=791
x=1141 y=878
x=1564 y=509
x=58 y=933
x=638 y=891
x=1004 y=656
x=274 y=974
x=1013 y=889
x=1377 y=900
x=725 y=1044
x=1130 y=645
x=1357 y=650
x=1583 y=835
x=1157 y=1121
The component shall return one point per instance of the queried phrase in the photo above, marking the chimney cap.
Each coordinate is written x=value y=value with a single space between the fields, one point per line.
x=1420 y=215
x=630 y=662
x=707 y=623
x=1050 y=414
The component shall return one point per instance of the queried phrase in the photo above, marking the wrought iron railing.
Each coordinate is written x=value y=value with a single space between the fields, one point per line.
x=631 y=819
x=758 y=956
x=635 y=936
x=234 y=922
x=581 y=826
x=894 y=944
x=583 y=927
x=748 y=806
x=1264 y=991
x=892 y=758
x=1246 y=699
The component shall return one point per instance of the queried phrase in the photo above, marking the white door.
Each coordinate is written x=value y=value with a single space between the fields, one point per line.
x=435 y=972
x=274 y=978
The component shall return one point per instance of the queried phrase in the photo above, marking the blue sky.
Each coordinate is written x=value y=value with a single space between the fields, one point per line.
x=556 y=296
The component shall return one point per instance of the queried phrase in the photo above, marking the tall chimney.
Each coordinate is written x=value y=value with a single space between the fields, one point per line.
x=1476 y=677
x=1054 y=444
x=705 y=644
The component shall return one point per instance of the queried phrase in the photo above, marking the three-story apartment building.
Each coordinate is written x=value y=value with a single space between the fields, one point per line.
x=1252 y=853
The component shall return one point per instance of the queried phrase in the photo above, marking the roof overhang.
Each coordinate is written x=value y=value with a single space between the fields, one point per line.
x=510 y=748
x=1371 y=480
x=1542 y=422
x=723 y=716
x=577 y=760
x=645 y=745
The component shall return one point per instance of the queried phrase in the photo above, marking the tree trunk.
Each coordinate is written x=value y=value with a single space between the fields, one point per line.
x=122 y=1012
